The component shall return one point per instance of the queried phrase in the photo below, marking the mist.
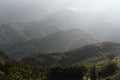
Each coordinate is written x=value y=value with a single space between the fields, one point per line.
x=28 y=10
x=99 y=18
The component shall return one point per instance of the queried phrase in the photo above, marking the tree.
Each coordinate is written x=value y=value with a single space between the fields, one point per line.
x=93 y=73
x=74 y=72
x=108 y=70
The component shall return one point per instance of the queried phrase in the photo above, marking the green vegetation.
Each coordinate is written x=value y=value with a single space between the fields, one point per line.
x=73 y=72
x=98 y=61
x=16 y=70
x=87 y=54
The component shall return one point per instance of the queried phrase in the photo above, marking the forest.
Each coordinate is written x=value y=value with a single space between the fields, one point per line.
x=11 y=69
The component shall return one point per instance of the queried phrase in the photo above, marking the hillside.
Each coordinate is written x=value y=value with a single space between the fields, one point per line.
x=59 y=41
x=65 y=40
x=9 y=34
x=24 y=31
x=21 y=36
x=90 y=53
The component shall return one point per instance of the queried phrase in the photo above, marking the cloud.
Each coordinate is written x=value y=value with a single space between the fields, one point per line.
x=73 y=9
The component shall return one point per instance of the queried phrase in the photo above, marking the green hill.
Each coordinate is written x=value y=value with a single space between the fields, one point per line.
x=81 y=64
x=90 y=53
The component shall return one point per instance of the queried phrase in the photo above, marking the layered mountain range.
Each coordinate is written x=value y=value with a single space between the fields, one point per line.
x=55 y=33
x=20 y=39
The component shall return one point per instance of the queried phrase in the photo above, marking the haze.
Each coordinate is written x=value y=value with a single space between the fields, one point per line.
x=99 y=18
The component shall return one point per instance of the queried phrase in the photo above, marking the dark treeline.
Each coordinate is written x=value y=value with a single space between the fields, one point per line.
x=15 y=70
x=18 y=71
x=82 y=72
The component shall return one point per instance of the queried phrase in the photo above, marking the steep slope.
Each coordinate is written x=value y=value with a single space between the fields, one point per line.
x=25 y=31
x=89 y=53
x=64 y=40
x=36 y=29
x=20 y=37
x=59 y=41
x=9 y=34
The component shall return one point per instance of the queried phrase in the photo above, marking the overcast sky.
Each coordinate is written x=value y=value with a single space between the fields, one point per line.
x=93 y=12
x=43 y=8
x=82 y=5
x=49 y=6
x=99 y=17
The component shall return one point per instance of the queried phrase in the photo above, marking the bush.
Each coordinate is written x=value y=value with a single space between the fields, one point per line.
x=108 y=70
x=74 y=72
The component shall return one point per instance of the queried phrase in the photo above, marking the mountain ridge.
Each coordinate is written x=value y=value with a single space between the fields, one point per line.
x=58 y=41
x=88 y=54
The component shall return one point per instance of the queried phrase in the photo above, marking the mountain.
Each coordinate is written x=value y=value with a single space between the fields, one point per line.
x=9 y=34
x=36 y=29
x=65 y=40
x=92 y=22
x=101 y=25
x=25 y=31
x=90 y=53
x=21 y=37
x=97 y=25
x=59 y=41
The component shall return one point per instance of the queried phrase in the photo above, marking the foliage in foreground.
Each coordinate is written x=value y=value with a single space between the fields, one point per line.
x=15 y=70
x=18 y=71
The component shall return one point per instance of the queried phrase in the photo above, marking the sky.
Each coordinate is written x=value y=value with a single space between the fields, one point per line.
x=95 y=16
x=43 y=8
x=38 y=9
x=33 y=8
x=55 y=4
